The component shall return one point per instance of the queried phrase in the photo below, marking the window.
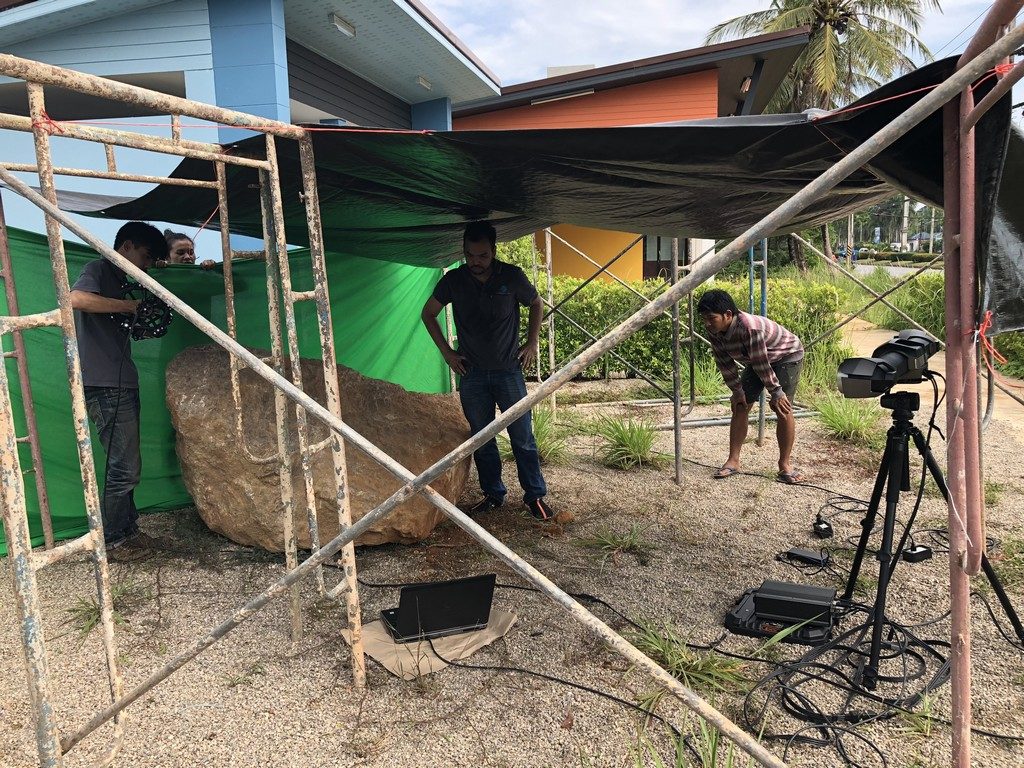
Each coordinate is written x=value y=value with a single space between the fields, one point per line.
x=658 y=256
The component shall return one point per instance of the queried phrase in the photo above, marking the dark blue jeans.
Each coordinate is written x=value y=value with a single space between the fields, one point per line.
x=116 y=417
x=481 y=392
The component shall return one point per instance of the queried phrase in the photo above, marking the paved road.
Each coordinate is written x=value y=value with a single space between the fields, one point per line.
x=866 y=269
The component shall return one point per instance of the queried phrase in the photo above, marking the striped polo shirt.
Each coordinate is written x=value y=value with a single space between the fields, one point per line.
x=758 y=342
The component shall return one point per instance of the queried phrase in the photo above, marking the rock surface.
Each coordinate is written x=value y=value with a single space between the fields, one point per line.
x=241 y=499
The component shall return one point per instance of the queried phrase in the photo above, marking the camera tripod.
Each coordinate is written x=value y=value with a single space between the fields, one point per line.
x=894 y=477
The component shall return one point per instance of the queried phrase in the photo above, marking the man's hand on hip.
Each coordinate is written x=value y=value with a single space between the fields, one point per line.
x=527 y=354
x=455 y=361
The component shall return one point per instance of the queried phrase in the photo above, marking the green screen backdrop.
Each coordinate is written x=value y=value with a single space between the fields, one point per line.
x=375 y=308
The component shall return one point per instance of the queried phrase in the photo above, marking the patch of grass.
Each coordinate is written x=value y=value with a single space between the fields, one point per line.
x=1009 y=563
x=627 y=443
x=993 y=491
x=715 y=751
x=708 y=383
x=821 y=365
x=866 y=585
x=84 y=615
x=712 y=751
x=855 y=421
x=551 y=439
x=595 y=395
x=919 y=722
x=701 y=670
x=613 y=545
x=246 y=676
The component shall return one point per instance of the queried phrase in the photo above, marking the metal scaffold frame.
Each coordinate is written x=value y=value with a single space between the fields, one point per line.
x=988 y=48
x=757 y=268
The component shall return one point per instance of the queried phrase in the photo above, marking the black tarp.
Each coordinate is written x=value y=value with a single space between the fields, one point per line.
x=405 y=196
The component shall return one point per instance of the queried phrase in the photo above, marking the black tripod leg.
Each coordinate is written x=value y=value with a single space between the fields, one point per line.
x=869 y=519
x=986 y=566
x=1004 y=600
x=897 y=470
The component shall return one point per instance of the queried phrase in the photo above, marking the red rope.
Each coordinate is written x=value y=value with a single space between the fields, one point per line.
x=320 y=128
x=986 y=343
x=208 y=220
x=999 y=70
x=48 y=124
x=989 y=352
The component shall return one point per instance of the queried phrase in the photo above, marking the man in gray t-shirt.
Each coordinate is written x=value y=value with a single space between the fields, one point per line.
x=486 y=295
x=109 y=376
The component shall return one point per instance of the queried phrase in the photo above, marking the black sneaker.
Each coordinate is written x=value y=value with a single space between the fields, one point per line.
x=486 y=504
x=115 y=543
x=541 y=510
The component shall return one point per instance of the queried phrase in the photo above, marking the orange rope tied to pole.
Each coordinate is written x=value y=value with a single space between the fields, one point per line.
x=986 y=342
x=988 y=349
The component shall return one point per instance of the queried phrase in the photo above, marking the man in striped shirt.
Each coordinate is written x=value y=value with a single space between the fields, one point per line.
x=773 y=357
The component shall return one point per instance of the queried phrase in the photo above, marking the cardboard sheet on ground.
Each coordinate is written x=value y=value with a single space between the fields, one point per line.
x=411 y=660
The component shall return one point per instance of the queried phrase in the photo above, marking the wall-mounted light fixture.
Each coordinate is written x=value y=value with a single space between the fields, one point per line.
x=422 y=82
x=745 y=85
x=560 y=97
x=347 y=28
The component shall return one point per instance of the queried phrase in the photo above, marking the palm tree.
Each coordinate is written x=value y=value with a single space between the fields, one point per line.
x=854 y=46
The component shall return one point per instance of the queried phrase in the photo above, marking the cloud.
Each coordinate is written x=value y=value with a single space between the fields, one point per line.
x=519 y=39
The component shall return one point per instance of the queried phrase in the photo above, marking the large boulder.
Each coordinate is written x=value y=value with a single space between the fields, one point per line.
x=241 y=498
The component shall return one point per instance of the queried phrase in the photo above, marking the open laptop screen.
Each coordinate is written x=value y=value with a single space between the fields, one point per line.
x=435 y=609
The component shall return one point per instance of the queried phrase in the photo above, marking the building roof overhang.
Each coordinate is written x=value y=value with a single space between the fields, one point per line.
x=766 y=59
x=399 y=45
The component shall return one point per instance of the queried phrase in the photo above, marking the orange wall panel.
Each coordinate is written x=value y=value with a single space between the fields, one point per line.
x=683 y=97
x=599 y=244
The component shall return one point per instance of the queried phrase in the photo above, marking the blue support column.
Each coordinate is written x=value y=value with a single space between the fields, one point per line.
x=434 y=115
x=250 y=62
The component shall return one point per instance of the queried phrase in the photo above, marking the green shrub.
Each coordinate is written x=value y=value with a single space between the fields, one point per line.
x=708 y=383
x=1011 y=346
x=856 y=421
x=550 y=437
x=627 y=443
x=806 y=307
x=924 y=300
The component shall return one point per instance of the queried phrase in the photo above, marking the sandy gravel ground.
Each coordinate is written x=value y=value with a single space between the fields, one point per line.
x=251 y=700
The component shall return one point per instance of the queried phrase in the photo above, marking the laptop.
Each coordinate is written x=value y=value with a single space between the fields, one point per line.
x=440 y=608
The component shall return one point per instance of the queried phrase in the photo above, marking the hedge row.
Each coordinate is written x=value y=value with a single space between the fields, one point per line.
x=808 y=309
x=923 y=299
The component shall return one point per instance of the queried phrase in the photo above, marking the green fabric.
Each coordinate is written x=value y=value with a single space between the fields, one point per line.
x=375 y=308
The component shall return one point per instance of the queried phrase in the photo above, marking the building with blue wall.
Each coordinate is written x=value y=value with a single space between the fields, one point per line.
x=380 y=63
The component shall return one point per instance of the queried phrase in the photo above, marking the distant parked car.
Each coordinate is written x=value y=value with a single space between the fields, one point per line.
x=841 y=253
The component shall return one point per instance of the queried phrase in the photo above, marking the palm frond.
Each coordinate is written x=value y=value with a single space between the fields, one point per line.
x=879 y=40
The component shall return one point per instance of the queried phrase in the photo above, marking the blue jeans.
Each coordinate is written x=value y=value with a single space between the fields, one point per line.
x=481 y=392
x=116 y=417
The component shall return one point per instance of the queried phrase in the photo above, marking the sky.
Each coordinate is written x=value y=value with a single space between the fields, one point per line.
x=519 y=39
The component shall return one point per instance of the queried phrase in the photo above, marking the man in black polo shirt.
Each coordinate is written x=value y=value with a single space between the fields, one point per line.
x=485 y=295
x=109 y=376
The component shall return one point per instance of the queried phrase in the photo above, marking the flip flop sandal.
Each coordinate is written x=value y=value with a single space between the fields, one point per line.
x=725 y=472
x=791 y=478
